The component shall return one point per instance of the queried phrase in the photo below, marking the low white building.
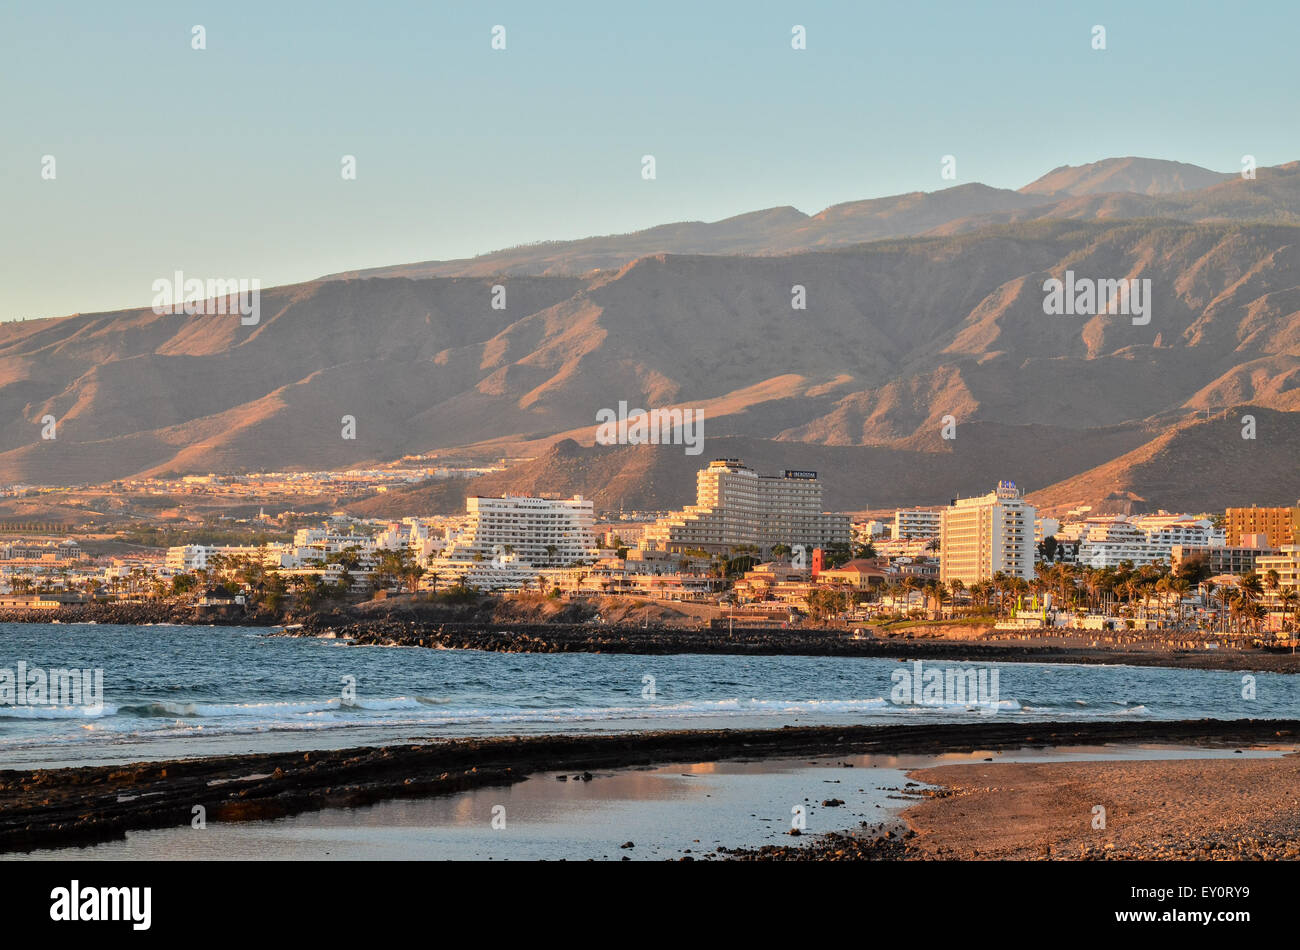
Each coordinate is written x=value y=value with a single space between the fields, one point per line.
x=1140 y=539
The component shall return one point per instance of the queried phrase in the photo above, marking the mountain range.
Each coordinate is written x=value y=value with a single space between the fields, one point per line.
x=924 y=317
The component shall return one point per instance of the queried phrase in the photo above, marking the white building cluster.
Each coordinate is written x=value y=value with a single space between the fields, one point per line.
x=505 y=543
x=1141 y=539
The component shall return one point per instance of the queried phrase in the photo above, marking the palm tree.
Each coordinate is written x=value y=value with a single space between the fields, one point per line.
x=908 y=584
x=1209 y=587
x=1250 y=588
x=999 y=586
x=1288 y=599
x=957 y=588
x=1179 y=586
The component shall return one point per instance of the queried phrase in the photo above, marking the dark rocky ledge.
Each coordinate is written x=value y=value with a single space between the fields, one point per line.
x=774 y=641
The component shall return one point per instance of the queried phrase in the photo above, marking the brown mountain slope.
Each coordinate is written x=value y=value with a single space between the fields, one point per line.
x=896 y=335
x=1273 y=196
x=1199 y=464
x=772 y=231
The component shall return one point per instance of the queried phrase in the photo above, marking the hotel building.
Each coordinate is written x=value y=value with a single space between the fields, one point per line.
x=980 y=537
x=1221 y=559
x=1282 y=525
x=541 y=532
x=916 y=523
x=735 y=506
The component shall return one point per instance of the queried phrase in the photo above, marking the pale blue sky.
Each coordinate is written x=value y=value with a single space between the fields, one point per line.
x=225 y=162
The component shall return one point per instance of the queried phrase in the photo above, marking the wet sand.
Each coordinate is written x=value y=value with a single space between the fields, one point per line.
x=64 y=807
x=1208 y=809
x=1203 y=809
x=645 y=813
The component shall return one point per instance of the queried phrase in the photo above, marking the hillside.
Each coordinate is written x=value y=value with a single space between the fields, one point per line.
x=1182 y=469
x=897 y=336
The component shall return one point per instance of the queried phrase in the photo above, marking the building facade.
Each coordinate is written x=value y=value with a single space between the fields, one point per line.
x=541 y=532
x=1221 y=559
x=916 y=523
x=984 y=536
x=1282 y=525
x=736 y=507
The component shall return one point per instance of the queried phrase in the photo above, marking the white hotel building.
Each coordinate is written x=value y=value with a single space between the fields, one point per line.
x=980 y=537
x=540 y=532
x=1140 y=539
x=916 y=523
x=735 y=507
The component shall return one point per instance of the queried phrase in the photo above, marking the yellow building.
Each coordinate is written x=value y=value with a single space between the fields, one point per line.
x=1282 y=525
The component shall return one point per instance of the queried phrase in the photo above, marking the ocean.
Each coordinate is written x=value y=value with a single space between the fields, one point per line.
x=177 y=691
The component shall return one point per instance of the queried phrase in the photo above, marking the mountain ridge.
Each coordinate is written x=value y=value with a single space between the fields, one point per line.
x=897 y=335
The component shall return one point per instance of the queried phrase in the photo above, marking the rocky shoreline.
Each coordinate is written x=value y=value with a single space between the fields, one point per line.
x=759 y=641
x=143 y=614
x=476 y=628
x=51 y=808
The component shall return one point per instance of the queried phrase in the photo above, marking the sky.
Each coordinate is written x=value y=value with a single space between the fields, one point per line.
x=226 y=161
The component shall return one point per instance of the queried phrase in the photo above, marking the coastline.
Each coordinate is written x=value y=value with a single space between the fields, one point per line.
x=87 y=805
x=442 y=629
x=772 y=641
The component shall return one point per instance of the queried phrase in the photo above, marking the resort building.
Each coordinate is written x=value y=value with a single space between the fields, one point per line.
x=1282 y=525
x=1222 y=559
x=736 y=507
x=1140 y=539
x=1165 y=530
x=914 y=523
x=984 y=536
x=1287 y=565
x=506 y=572
x=858 y=574
x=541 y=532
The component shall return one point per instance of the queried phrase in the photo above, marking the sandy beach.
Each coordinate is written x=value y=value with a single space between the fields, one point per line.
x=1189 y=809
x=1199 y=809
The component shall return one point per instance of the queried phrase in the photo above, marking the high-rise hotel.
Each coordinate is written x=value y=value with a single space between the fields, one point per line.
x=736 y=506
x=978 y=537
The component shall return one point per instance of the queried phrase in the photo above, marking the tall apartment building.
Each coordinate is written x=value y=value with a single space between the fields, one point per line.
x=538 y=531
x=1282 y=525
x=979 y=537
x=736 y=506
x=916 y=523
